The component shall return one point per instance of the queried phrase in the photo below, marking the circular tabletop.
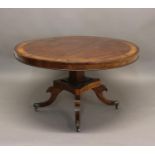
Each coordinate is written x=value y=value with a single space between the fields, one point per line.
x=77 y=53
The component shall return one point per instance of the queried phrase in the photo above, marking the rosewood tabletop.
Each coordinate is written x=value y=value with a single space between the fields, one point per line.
x=77 y=54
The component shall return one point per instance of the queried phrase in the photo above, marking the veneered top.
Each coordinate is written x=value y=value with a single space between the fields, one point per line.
x=77 y=53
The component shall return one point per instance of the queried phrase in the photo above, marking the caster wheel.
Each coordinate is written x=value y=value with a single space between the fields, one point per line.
x=116 y=105
x=77 y=129
x=35 y=105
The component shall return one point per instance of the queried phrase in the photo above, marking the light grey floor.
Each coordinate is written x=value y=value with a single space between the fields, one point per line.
x=132 y=124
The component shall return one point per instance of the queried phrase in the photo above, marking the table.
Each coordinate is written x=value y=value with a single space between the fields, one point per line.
x=77 y=54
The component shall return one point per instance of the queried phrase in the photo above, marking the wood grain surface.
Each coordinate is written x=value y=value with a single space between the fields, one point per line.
x=76 y=53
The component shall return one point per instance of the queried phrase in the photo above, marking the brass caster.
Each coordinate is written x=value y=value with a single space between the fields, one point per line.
x=116 y=103
x=35 y=105
x=77 y=129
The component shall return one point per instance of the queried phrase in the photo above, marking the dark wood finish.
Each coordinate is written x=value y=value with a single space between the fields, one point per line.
x=55 y=91
x=76 y=76
x=77 y=53
x=77 y=84
x=77 y=112
x=99 y=93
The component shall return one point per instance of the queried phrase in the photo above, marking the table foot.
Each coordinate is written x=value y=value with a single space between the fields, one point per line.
x=77 y=113
x=99 y=93
x=54 y=93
